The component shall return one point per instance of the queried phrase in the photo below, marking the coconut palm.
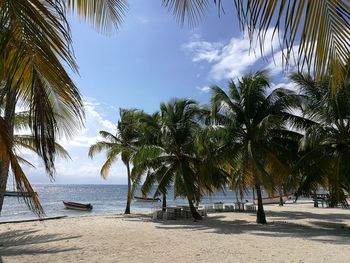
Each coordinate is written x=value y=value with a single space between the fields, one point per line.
x=150 y=134
x=124 y=143
x=174 y=161
x=35 y=41
x=255 y=125
x=326 y=142
x=318 y=29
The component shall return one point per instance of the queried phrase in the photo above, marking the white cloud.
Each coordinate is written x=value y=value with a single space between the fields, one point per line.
x=277 y=62
x=204 y=89
x=231 y=60
x=95 y=122
x=203 y=50
x=81 y=169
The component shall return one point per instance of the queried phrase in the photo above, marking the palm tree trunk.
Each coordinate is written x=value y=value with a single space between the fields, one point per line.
x=164 y=203
x=9 y=115
x=194 y=212
x=4 y=171
x=280 y=192
x=260 y=216
x=128 y=200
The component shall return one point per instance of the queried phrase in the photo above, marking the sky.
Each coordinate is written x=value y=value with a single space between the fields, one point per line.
x=149 y=60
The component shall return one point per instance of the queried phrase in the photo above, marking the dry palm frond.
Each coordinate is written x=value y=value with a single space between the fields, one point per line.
x=101 y=14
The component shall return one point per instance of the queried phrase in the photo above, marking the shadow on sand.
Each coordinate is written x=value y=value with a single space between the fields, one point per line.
x=328 y=228
x=25 y=242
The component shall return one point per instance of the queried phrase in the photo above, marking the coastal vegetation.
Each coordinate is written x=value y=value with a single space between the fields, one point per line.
x=123 y=143
x=250 y=136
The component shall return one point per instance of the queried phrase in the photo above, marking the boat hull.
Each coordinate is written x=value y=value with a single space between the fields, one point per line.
x=77 y=206
x=146 y=199
x=17 y=194
x=272 y=200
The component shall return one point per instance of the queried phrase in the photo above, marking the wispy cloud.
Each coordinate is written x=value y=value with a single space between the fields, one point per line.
x=204 y=89
x=81 y=169
x=229 y=60
x=142 y=20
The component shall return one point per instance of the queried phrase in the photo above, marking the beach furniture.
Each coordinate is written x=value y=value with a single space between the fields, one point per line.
x=218 y=207
x=229 y=208
x=77 y=206
x=157 y=214
x=250 y=207
x=239 y=206
x=322 y=198
x=209 y=208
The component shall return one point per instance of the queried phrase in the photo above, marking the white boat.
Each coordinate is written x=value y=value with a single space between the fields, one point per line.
x=273 y=199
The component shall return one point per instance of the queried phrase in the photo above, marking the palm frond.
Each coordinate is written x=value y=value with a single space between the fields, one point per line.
x=101 y=14
x=320 y=29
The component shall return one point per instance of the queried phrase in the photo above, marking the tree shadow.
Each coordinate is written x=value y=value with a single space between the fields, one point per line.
x=320 y=231
x=26 y=242
x=297 y=215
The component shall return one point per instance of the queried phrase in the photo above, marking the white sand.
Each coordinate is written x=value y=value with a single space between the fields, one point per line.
x=295 y=233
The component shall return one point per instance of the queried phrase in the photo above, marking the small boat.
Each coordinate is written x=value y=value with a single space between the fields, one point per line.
x=146 y=199
x=77 y=206
x=273 y=199
x=17 y=194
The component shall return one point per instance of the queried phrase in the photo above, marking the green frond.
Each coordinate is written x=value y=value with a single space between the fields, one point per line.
x=320 y=29
x=99 y=147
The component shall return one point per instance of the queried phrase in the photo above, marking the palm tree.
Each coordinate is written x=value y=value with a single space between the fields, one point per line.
x=255 y=127
x=35 y=41
x=174 y=161
x=326 y=143
x=124 y=143
x=320 y=29
x=150 y=134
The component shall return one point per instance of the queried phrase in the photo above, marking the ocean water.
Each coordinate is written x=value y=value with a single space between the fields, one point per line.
x=105 y=199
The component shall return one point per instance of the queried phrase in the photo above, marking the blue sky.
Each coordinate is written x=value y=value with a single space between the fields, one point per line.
x=149 y=60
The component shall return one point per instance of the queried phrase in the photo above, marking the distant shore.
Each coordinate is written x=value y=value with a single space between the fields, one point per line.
x=294 y=233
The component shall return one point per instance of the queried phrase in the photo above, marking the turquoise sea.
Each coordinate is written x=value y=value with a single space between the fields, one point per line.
x=104 y=198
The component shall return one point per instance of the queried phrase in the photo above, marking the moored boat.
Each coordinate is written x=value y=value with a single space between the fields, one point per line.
x=273 y=199
x=77 y=206
x=146 y=199
x=17 y=194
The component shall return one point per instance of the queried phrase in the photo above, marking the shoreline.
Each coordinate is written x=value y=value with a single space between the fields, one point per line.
x=294 y=233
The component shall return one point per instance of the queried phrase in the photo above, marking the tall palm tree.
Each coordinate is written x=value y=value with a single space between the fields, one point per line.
x=326 y=143
x=124 y=143
x=255 y=125
x=173 y=162
x=35 y=41
x=320 y=29
x=150 y=134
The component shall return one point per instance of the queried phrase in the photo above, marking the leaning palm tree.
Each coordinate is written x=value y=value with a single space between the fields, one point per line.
x=174 y=161
x=319 y=30
x=35 y=43
x=255 y=127
x=123 y=143
x=326 y=145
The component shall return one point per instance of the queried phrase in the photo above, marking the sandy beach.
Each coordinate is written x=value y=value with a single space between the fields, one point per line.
x=294 y=233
